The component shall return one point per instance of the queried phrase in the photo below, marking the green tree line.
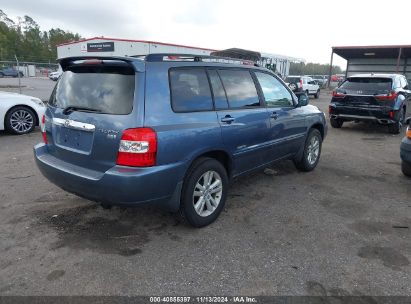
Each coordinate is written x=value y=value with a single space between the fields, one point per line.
x=25 y=40
x=313 y=69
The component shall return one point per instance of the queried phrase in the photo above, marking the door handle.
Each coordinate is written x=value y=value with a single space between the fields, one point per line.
x=227 y=119
x=274 y=115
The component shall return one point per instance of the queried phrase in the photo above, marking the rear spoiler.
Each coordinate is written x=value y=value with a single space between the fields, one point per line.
x=67 y=62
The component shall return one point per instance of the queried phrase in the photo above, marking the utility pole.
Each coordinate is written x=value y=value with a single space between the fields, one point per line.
x=18 y=73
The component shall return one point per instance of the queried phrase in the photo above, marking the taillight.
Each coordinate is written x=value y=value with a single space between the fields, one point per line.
x=392 y=114
x=43 y=129
x=138 y=148
x=408 y=133
x=330 y=109
x=338 y=94
x=390 y=96
x=301 y=84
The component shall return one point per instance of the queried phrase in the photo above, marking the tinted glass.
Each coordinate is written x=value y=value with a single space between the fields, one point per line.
x=292 y=79
x=220 y=100
x=275 y=94
x=240 y=88
x=190 y=90
x=369 y=85
x=107 y=90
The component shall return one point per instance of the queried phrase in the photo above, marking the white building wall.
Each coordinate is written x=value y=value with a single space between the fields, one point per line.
x=124 y=48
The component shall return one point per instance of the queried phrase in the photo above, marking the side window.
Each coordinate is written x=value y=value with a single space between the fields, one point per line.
x=275 y=94
x=190 y=90
x=404 y=83
x=220 y=100
x=240 y=88
x=397 y=83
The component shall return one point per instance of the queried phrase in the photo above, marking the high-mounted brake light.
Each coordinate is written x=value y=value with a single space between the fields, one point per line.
x=43 y=129
x=390 y=96
x=138 y=148
x=93 y=61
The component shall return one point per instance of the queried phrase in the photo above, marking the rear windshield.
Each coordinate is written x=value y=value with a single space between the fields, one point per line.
x=368 y=84
x=108 y=90
x=292 y=79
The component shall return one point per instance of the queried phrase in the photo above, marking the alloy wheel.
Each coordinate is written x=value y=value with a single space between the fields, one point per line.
x=207 y=193
x=21 y=121
x=313 y=150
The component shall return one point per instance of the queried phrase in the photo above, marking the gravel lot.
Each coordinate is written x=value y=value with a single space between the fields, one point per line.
x=344 y=229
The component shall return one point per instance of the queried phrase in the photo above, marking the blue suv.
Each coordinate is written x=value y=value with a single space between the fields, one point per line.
x=171 y=130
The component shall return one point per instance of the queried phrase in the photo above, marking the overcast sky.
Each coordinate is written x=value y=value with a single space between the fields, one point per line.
x=297 y=28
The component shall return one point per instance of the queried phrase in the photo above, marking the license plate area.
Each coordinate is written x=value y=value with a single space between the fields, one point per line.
x=74 y=140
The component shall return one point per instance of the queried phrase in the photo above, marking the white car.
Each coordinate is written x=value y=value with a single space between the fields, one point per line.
x=20 y=114
x=55 y=75
x=303 y=84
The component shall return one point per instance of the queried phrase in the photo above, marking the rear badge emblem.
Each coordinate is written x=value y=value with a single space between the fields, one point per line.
x=67 y=123
x=359 y=92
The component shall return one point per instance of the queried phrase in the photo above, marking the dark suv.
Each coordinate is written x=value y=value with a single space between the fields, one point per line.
x=383 y=98
x=171 y=130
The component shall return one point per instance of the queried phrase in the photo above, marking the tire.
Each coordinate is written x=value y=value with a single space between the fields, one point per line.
x=21 y=75
x=316 y=95
x=20 y=120
x=395 y=128
x=406 y=168
x=198 y=175
x=1 y=75
x=293 y=87
x=312 y=144
x=336 y=123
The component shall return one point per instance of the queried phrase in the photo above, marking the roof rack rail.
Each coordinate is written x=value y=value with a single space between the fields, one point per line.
x=164 y=57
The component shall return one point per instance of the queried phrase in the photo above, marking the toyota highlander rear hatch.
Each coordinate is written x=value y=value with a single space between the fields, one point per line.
x=90 y=107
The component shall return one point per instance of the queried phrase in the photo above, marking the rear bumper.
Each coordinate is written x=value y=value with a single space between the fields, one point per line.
x=377 y=114
x=405 y=150
x=159 y=185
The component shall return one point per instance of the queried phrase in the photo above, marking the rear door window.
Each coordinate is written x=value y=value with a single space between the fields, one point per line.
x=370 y=85
x=240 y=88
x=108 y=90
x=190 y=90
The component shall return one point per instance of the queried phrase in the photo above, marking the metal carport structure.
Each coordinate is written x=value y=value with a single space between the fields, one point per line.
x=374 y=59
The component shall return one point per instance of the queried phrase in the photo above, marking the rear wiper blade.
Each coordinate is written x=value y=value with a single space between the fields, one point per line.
x=70 y=109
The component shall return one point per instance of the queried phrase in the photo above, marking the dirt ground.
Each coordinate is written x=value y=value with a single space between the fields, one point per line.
x=343 y=229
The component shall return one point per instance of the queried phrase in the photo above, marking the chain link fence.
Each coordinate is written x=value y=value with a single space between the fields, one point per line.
x=28 y=68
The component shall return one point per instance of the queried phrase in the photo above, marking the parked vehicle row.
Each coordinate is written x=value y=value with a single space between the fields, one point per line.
x=171 y=131
x=303 y=84
x=10 y=72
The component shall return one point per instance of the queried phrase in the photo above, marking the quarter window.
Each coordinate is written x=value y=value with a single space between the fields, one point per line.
x=240 y=88
x=275 y=93
x=190 y=90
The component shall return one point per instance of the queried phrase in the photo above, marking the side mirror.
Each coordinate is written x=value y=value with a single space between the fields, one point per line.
x=302 y=100
x=408 y=121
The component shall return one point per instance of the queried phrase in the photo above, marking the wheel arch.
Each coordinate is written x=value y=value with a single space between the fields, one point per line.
x=220 y=155
x=319 y=127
